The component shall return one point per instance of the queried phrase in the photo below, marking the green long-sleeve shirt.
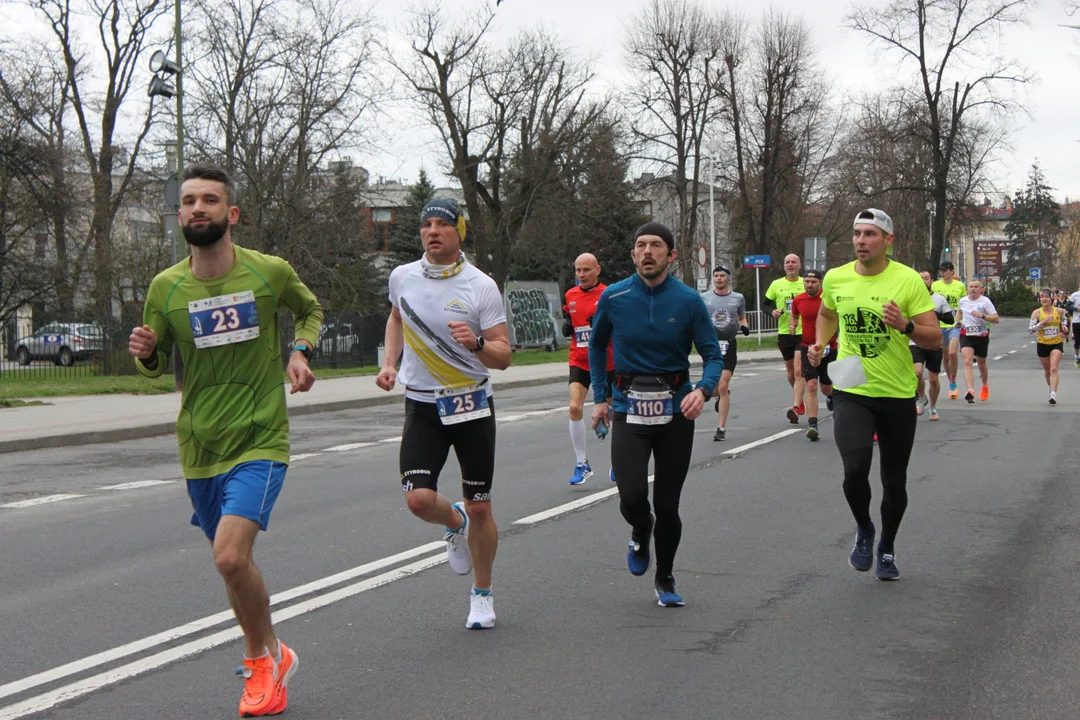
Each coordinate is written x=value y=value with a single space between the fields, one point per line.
x=233 y=403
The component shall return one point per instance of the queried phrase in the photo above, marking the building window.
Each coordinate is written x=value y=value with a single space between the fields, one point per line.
x=382 y=216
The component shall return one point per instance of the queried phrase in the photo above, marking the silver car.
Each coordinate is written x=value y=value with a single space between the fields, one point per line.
x=63 y=343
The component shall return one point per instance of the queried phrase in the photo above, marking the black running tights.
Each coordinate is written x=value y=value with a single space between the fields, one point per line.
x=855 y=420
x=669 y=446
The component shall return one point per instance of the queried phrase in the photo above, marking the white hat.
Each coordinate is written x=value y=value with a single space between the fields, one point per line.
x=873 y=216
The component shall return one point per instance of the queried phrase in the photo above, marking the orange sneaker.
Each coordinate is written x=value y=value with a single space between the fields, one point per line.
x=286 y=668
x=260 y=685
x=984 y=394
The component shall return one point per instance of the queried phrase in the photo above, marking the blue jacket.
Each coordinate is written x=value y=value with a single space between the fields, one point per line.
x=652 y=330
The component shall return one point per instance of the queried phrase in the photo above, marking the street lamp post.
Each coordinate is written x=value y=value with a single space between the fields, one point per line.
x=714 y=146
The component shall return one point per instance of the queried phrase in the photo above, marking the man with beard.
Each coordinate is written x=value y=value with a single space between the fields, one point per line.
x=728 y=312
x=652 y=320
x=219 y=306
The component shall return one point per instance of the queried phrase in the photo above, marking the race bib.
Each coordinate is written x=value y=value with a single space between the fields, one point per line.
x=458 y=405
x=788 y=306
x=581 y=335
x=224 y=319
x=1051 y=331
x=975 y=329
x=649 y=408
x=723 y=347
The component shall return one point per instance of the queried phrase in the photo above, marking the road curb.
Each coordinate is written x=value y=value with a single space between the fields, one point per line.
x=95 y=437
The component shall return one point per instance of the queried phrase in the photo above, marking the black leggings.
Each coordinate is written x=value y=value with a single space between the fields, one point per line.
x=1076 y=337
x=669 y=446
x=855 y=420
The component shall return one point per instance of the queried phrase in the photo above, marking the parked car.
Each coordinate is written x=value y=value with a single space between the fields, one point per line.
x=339 y=341
x=63 y=343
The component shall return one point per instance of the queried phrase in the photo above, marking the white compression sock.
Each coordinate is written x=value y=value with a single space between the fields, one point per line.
x=577 y=436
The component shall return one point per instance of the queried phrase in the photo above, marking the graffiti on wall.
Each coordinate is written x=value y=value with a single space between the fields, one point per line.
x=533 y=312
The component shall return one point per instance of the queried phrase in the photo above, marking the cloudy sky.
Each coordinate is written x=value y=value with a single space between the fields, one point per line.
x=1050 y=133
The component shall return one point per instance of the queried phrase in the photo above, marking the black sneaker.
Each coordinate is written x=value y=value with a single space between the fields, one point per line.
x=721 y=434
x=970 y=396
x=812 y=433
x=886 y=566
x=793 y=416
x=828 y=403
x=862 y=555
x=716 y=405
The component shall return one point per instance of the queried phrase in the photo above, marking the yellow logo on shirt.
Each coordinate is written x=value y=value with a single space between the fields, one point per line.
x=456 y=306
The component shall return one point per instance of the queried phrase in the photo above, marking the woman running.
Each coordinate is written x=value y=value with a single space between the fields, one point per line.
x=1048 y=323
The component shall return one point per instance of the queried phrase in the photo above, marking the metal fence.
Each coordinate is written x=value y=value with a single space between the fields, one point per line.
x=763 y=320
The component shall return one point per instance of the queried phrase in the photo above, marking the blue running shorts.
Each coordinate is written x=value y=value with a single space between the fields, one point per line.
x=949 y=333
x=249 y=490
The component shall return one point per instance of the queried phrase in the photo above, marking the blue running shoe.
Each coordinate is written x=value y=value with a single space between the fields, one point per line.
x=637 y=557
x=611 y=474
x=582 y=472
x=828 y=403
x=862 y=555
x=886 y=566
x=666 y=595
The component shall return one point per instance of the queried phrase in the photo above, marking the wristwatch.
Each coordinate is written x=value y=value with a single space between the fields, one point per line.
x=909 y=328
x=303 y=349
x=479 y=343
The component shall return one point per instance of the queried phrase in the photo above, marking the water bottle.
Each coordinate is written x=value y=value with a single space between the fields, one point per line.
x=601 y=430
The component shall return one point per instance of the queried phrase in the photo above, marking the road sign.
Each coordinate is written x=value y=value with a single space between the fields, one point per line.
x=814 y=253
x=702 y=256
x=1035 y=274
x=702 y=284
x=755 y=261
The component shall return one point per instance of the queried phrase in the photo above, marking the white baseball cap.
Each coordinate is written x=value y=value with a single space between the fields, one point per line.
x=873 y=216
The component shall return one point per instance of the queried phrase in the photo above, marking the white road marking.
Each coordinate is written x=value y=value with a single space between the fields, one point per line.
x=196 y=626
x=44 y=500
x=1011 y=352
x=302 y=456
x=350 y=446
x=763 y=441
x=998 y=357
x=53 y=698
x=570 y=506
x=138 y=484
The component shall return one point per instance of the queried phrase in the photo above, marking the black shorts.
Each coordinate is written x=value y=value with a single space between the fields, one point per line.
x=581 y=376
x=819 y=373
x=426 y=443
x=980 y=344
x=930 y=359
x=788 y=344
x=1043 y=350
x=731 y=357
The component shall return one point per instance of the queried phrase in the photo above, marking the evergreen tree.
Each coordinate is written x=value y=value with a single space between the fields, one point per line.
x=405 y=246
x=1033 y=229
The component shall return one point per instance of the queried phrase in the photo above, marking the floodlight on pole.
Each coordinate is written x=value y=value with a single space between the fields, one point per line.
x=160 y=63
x=160 y=87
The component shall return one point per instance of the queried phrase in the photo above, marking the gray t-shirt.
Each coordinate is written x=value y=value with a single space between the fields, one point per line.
x=941 y=307
x=725 y=311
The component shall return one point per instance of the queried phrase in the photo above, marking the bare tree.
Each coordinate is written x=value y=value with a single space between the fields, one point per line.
x=954 y=48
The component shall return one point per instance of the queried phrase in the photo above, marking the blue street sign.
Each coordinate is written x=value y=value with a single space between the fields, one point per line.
x=755 y=261
x=1035 y=274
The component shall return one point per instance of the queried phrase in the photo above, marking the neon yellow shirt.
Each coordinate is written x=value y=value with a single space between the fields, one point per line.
x=858 y=300
x=232 y=409
x=782 y=291
x=952 y=292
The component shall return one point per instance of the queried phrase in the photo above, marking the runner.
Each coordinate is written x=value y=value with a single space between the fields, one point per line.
x=728 y=312
x=1066 y=309
x=579 y=308
x=952 y=290
x=449 y=327
x=804 y=309
x=652 y=320
x=220 y=307
x=778 y=297
x=974 y=313
x=1074 y=300
x=879 y=302
x=1050 y=325
x=929 y=359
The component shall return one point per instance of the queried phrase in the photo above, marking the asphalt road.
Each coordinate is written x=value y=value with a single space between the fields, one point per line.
x=110 y=606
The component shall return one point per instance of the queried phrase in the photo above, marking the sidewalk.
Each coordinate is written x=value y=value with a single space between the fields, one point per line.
x=87 y=419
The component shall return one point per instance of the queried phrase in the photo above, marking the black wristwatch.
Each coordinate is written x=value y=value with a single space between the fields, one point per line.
x=479 y=343
x=909 y=328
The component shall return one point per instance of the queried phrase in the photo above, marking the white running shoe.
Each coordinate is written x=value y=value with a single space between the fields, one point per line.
x=481 y=612
x=457 y=544
x=1053 y=398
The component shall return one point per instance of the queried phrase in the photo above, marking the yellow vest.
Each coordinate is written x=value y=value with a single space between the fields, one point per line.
x=1049 y=334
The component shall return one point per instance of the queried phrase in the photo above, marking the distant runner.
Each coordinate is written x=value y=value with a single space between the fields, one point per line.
x=728 y=312
x=804 y=309
x=1049 y=325
x=929 y=359
x=778 y=297
x=952 y=290
x=976 y=310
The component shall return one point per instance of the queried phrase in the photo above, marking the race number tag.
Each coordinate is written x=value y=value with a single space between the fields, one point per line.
x=975 y=330
x=788 y=306
x=224 y=319
x=458 y=405
x=1050 y=331
x=723 y=347
x=649 y=408
x=581 y=335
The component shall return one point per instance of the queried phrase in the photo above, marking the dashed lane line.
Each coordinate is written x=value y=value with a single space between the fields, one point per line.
x=44 y=500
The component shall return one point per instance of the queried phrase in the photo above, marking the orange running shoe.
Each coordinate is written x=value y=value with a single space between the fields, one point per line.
x=984 y=394
x=260 y=684
x=286 y=668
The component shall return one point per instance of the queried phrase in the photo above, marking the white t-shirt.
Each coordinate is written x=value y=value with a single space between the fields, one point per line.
x=432 y=359
x=941 y=307
x=971 y=325
x=1075 y=300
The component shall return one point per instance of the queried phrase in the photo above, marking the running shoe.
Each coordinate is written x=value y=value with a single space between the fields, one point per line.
x=260 y=683
x=1078 y=362
x=933 y=414
x=637 y=557
x=721 y=434
x=582 y=472
x=801 y=409
x=918 y=408
x=716 y=405
x=457 y=544
x=611 y=474
x=862 y=555
x=481 y=611
x=828 y=403
x=288 y=665
x=1053 y=398
x=793 y=415
x=970 y=396
x=922 y=401
x=666 y=595
x=954 y=392
x=875 y=438
x=812 y=433
x=886 y=566
x=984 y=394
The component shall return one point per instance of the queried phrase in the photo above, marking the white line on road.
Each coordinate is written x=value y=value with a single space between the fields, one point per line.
x=570 y=506
x=303 y=456
x=44 y=500
x=1011 y=352
x=350 y=446
x=195 y=626
x=998 y=357
x=137 y=484
x=51 y=699
x=763 y=441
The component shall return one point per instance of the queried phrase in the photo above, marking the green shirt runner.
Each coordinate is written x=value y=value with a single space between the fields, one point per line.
x=952 y=292
x=233 y=403
x=781 y=292
x=857 y=299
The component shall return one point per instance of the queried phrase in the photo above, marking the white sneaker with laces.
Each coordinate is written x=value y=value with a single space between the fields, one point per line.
x=481 y=612
x=1053 y=398
x=457 y=544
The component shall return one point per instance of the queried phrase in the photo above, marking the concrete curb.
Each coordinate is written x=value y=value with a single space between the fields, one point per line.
x=94 y=437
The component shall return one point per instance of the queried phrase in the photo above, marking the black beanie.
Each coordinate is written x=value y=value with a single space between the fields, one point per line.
x=658 y=229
